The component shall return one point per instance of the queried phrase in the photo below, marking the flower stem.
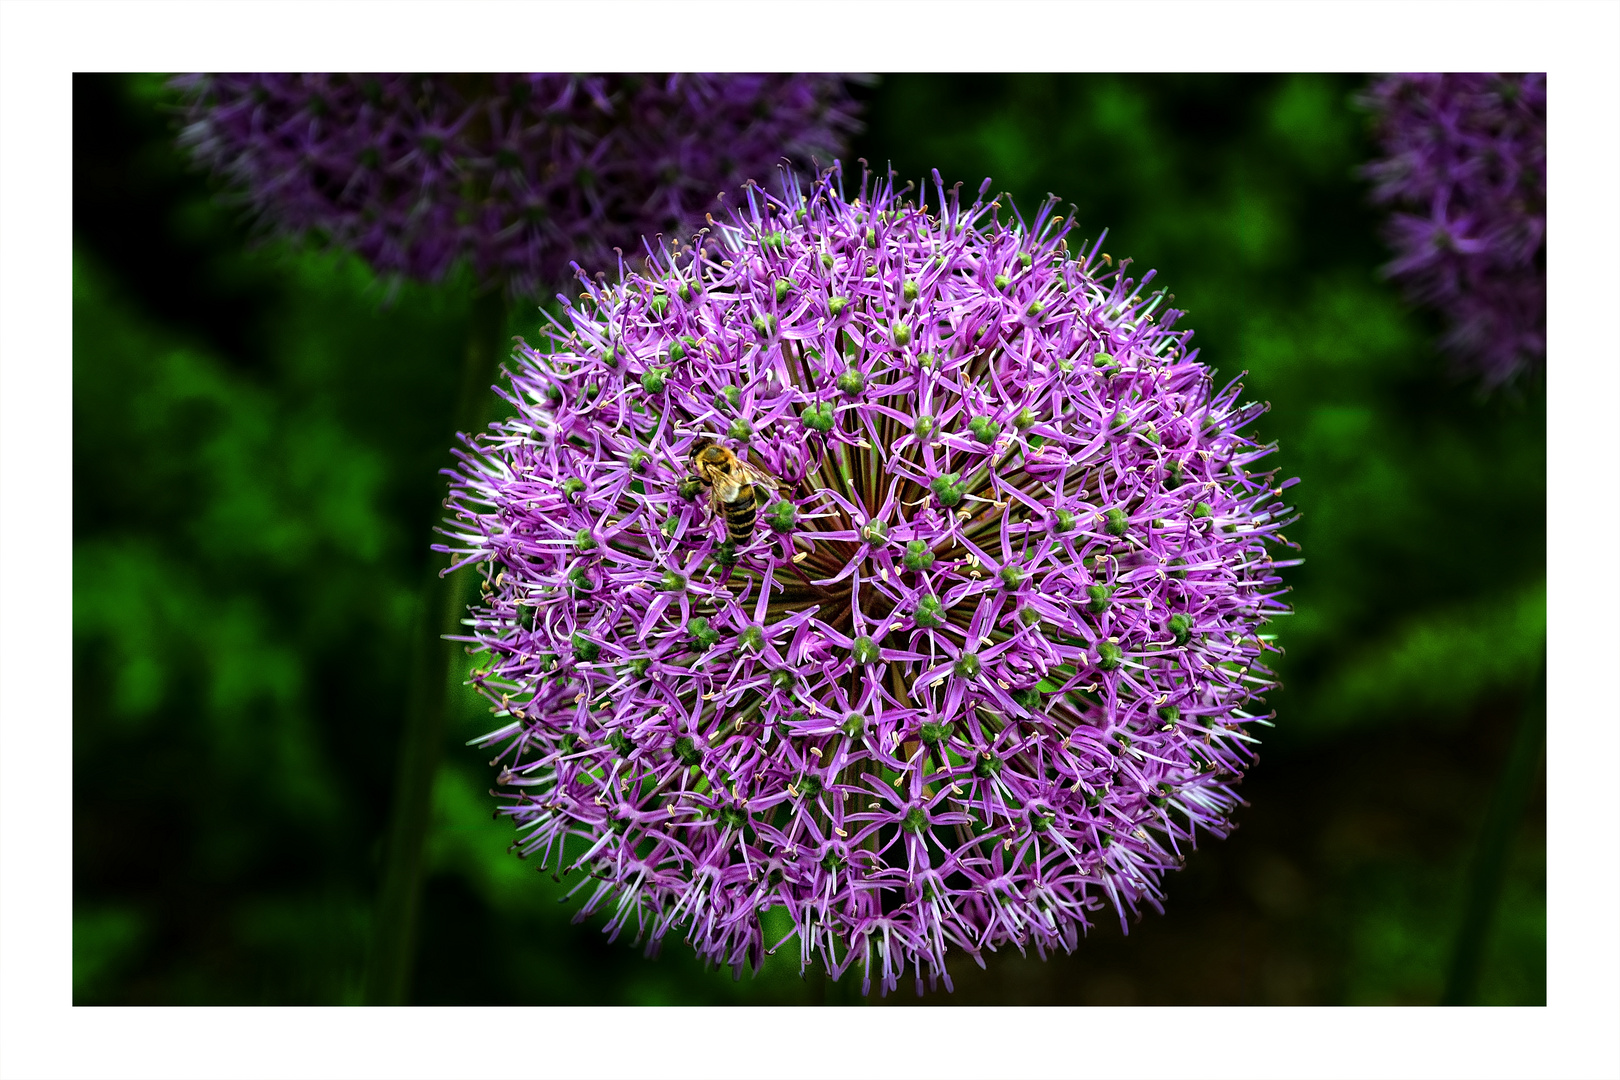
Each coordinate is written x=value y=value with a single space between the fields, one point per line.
x=1489 y=865
x=436 y=664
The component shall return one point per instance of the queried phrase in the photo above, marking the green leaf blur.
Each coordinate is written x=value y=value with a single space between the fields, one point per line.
x=257 y=429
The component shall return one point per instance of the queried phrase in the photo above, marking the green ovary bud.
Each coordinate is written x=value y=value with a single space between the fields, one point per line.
x=762 y=326
x=901 y=334
x=740 y=429
x=1099 y=598
x=1025 y=419
x=909 y=290
x=620 y=744
x=854 y=725
x=638 y=460
x=783 y=286
x=1203 y=510
x=572 y=487
x=1024 y=259
x=725 y=553
x=1064 y=521
x=818 y=417
x=639 y=666
x=728 y=395
x=1170 y=714
x=673 y=582
x=1000 y=282
x=702 y=633
x=685 y=749
x=773 y=241
x=580 y=580
x=653 y=381
x=968 y=666
x=684 y=291
x=918 y=556
x=752 y=638
x=984 y=429
x=659 y=305
x=915 y=821
x=1116 y=523
x=945 y=489
x=783 y=679
x=1011 y=576
x=875 y=532
x=865 y=650
x=827 y=260
x=930 y=613
x=688 y=488
x=584 y=649
x=933 y=734
x=1102 y=359
x=1181 y=628
x=836 y=305
x=1028 y=698
x=871 y=237
x=923 y=427
x=987 y=767
x=583 y=540
x=783 y=515
x=1109 y=655
x=852 y=381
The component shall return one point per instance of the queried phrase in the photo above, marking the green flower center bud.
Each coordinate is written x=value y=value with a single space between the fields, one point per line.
x=670 y=526
x=865 y=650
x=1181 y=627
x=1173 y=472
x=685 y=749
x=1150 y=433
x=945 y=489
x=752 y=639
x=901 y=333
x=762 y=326
x=733 y=817
x=1040 y=822
x=918 y=556
x=1064 y=522
x=585 y=649
x=836 y=305
x=934 y=734
x=740 y=429
x=611 y=358
x=783 y=679
x=930 y=613
x=583 y=540
x=1099 y=598
x=725 y=553
x=783 y=515
x=638 y=460
x=852 y=381
x=1028 y=698
x=1066 y=365
x=915 y=821
x=1035 y=308
x=871 y=237
x=854 y=725
x=1000 y=282
x=832 y=862
x=968 y=666
x=673 y=582
x=659 y=305
x=688 y=488
x=1116 y=523
x=1011 y=576
x=926 y=360
x=923 y=426
x=1102 y=359
x=728 y=395
x=875 y=532
x=702 y=633
x=572 y=487
x=774 y=241
x=783 y=287
x=1028 y=616
x=554 y=393
x=620 y=744
x=684 y=291
x=677 y=353
x=639 y=666
x=653 y=381
x=1024 y=259
x=1203 y=510
x=984 y=429
x=909 y=290
x=808 y=785
x=580 y=580
x=1109 y=655
x=827 y=260
x=1025 y=419
x=987 y=766
x=818 y=417
x=1170 y=714
x=1178 y=568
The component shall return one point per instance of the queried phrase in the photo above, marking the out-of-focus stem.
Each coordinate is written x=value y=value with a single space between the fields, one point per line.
x=1489 y=865
x=435 y=664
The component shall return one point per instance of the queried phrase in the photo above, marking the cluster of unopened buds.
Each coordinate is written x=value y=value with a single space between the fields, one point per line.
x=875 y=558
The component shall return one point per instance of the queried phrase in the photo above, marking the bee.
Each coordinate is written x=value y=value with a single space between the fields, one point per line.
x=736 y=488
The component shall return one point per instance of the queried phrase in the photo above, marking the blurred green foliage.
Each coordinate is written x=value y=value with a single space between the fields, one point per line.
x=257 y=430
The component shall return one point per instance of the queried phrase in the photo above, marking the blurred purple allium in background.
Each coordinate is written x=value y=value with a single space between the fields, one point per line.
x=1465 y=169
x=986 y=661
x=522 y=174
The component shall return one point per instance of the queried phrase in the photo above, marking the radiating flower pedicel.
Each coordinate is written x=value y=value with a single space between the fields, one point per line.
x=986 y=664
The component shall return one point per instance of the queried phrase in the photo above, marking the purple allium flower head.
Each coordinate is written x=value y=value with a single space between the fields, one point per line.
x=984 y=661
x=522 y=174
x=1465 y=169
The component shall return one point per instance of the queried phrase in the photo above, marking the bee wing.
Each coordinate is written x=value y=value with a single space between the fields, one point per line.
x=759 y=478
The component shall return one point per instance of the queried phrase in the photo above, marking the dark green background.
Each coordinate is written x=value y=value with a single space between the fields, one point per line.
x=256 y=435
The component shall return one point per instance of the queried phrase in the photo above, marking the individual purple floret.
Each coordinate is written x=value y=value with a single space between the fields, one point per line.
x=1465 y=168
x=522 y=174
x=984 y=659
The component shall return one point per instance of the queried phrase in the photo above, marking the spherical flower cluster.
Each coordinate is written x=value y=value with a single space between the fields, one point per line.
x=521 y=174
x=983 y=660
x=1465 y=167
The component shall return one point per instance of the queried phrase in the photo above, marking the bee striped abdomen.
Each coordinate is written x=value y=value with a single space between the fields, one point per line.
x=740 y=515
